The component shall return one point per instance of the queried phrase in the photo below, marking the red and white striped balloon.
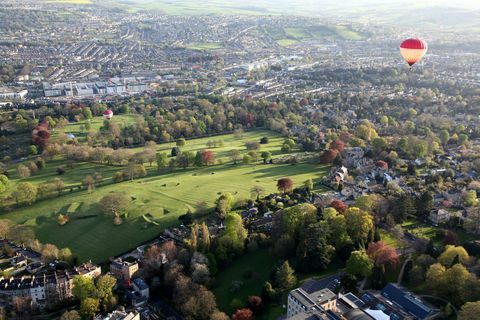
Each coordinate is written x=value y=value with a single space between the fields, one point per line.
x=413 y=50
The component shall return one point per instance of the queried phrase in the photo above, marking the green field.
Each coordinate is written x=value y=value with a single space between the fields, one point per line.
x=286 y=42
x=291 y=35
x=204 y=46
x=260 y=263
x=75 y=128
x=92 y=235
x=74 y=175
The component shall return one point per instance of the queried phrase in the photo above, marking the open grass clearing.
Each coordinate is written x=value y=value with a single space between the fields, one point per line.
x=92 y=235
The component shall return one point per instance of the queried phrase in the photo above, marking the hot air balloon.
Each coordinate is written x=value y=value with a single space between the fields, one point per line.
x=412 y=50
x=107 y=114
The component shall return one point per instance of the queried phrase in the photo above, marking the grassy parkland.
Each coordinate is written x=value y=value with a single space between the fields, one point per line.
x=155 y=201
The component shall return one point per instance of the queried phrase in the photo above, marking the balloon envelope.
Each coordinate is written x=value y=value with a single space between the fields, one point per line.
x=412 y=50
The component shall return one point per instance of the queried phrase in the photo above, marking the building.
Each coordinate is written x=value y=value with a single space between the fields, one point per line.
x=301 y=301
x=45 y=289
x=314 y=300
x=439 y=216
x=11 y=93
x=122 y=269
x=141 y=288
x=120 y=315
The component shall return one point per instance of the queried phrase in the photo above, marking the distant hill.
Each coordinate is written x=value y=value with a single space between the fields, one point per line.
x=425 y=13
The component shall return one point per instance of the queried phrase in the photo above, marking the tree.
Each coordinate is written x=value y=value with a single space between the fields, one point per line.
x=3 y=183
x=338 y=145
x=89 y=182
x=255 y=303
x=5 y=226
x=175 y=151
x=308 y=185
x=450 y=253
x=104 y=291
x=470 y=198
x=25 y=193
x=337 y=228
x=65 y=254
x=114 y=203
x=247 y=159
x=366 y=202
x=89 y=308
x=162 y=160
x=454 y=281
x=382 y=254
x=313 y=251
x=379 y=144
x=83 y=287
x=235 y=234
x=71 y=315
x=135 y=170
x=58 y=185
x=359 y=264
x=425 y=203
x=23 y=171
x=180 y=142
x=208 y=157
x=235 y=156
x=50 y=252
x=252 y=145
x=266 y=155
x=328 y=156
x=339 y=206
x=264 y=140
x=359 y=224
x=285 y=185
x=224 y=203
x=218 y=315
x=284 y=276
x=444 y=137
x=257 y=191
x=468 y=310
x=243 y=314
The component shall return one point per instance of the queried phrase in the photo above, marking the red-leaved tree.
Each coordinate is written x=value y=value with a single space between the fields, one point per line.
x=208 y=157
x=339 y=205
x=41 y=134
x=382 y=254
x=328 y=156
x=382 y=165
x=255 y=303
x=243 y=314
x=285 y=185
x=338 y=145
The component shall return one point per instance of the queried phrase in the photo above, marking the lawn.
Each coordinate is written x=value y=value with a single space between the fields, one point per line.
x=92 y=235
x=204 y=46
x=75 y=128
x=260 y=263
x=263 y=263
x=75 y=174
x=286 y=42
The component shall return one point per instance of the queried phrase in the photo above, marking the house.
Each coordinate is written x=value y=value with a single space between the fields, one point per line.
x=123 y=270
x=141 y=287
x=47 y=289
x=309 y=297
x=120 y=315
x=439 y=216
